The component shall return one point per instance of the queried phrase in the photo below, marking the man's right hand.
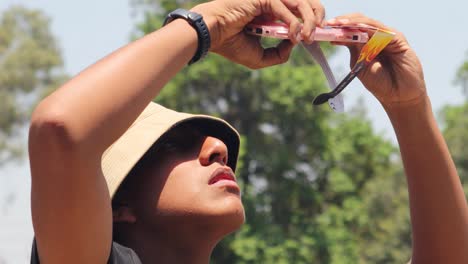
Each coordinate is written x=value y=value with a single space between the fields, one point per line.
x=395 y=77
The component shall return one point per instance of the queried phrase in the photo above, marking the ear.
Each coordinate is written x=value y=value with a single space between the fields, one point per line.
x=123 y=214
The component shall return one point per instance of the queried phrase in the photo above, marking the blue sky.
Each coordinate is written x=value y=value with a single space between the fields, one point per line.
x=88 y=30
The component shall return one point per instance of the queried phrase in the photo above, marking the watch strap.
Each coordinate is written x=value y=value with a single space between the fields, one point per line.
x=196 y=21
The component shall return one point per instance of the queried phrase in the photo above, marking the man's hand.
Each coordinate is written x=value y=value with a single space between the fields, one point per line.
x=395 y=77
x=226 y=20
x=438 y=207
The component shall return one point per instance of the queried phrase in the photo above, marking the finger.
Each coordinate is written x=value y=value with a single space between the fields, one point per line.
x=398 y=43
x=276 y=55
x=306 y=13
x=319 y=11
x=354 y=51
x=283 y=13
x=356 y=19
x=265 y=17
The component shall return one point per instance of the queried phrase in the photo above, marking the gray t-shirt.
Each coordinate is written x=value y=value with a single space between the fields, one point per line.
x=119 y=255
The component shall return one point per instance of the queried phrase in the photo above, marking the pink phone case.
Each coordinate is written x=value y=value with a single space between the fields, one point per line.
x=281 y=30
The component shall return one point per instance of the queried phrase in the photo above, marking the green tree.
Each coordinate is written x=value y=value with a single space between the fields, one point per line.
x=462 y=78
x=30 y=65
x=317 y=186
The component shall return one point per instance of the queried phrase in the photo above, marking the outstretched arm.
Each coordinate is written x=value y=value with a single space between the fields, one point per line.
x=71 y=128
x=439 y=211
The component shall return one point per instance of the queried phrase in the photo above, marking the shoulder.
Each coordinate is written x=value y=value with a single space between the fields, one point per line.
x=119 y=255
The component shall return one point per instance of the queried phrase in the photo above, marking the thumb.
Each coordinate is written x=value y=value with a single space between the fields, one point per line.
x=276 y=55
x=354 y=51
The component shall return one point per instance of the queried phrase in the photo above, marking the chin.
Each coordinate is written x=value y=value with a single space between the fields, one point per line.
x=228 y=216
x=235 y=214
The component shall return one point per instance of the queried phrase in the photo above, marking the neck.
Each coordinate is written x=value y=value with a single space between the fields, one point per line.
x=174 y=246
x=163 y=253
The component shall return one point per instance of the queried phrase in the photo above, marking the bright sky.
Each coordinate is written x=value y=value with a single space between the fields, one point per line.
x=87 y=30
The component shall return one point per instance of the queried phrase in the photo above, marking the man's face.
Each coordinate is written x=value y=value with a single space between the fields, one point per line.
x=191 y=185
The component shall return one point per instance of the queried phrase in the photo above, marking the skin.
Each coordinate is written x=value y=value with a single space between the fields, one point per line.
x=438 y=207
x=173 y=206
x=71 y=208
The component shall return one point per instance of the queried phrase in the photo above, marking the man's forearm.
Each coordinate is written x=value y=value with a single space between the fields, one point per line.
x=439 y=212
x=110 y=94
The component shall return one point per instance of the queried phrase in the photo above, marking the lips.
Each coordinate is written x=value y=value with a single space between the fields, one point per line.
x=222 y=174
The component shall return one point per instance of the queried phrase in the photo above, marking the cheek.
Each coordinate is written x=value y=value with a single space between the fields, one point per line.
x=186 y=191
x=183 y=188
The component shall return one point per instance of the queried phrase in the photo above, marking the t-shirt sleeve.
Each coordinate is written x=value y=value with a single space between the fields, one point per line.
x=122 y=255
x=118 y=255
x=34 y=256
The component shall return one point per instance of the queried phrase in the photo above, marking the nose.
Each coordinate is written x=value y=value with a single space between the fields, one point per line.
x=213 y=150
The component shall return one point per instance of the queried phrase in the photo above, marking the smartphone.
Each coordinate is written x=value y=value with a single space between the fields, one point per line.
x=281 y=30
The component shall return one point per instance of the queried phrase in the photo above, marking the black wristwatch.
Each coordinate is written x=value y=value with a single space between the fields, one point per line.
x=196 y=21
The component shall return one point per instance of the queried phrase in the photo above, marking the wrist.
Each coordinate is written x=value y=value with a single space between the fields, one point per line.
x=404 y=99
x=421 y=103
x=197 y=22
x=208 y=11
x=409 y=114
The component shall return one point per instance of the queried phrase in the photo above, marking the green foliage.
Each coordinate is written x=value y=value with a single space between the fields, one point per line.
x=462 y=77
x=317 y=186
x=30 y=64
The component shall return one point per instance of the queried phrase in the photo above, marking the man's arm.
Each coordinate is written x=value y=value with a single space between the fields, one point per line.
x=439 y=212
x=71 y=128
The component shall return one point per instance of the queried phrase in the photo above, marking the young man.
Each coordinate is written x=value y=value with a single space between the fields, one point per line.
x=178 y=196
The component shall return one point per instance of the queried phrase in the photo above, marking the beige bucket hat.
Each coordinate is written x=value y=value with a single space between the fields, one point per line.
x=118 y=160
